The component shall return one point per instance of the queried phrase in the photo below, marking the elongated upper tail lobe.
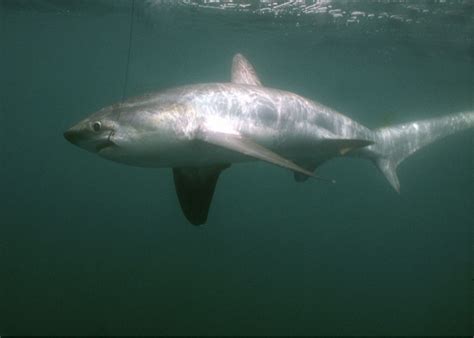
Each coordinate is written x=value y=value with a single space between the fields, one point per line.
x=394 y=144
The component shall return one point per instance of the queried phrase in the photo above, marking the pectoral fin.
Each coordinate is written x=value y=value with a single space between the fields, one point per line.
x=248 y=147
x=195 y=189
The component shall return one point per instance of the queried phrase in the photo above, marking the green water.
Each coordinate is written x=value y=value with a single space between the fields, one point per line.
x=90 y=247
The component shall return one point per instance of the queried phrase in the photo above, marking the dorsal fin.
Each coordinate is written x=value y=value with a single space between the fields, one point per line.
x=243 y=72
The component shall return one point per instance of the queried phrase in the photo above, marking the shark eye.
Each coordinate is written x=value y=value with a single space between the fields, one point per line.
x=96 y=126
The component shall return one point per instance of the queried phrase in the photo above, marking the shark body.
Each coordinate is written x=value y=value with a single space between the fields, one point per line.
x=200 y=130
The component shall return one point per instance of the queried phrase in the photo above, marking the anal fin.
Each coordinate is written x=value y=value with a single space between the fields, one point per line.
x=328 y=149
x=341 y=147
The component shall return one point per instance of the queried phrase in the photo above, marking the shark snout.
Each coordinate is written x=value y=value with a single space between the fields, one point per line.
x=73 y=136
x=90 y=140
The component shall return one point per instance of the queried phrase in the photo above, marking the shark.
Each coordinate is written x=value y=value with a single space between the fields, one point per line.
x=200 y=130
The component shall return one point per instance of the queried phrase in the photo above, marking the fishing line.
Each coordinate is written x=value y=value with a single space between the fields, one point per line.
x=127 y=69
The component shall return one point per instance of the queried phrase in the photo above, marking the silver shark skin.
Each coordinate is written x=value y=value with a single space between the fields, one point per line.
x=199 y=130
x=158 y=130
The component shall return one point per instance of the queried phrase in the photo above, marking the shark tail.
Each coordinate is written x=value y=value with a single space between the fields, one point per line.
x=395 y=143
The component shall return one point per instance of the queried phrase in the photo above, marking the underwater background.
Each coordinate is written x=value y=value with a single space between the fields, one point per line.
x=91 y=247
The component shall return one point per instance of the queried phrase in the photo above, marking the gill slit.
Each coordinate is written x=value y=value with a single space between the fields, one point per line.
x=112 y=133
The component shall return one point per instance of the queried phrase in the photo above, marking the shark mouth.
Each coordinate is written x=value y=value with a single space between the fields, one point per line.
x=105 y=144
x=102 y=145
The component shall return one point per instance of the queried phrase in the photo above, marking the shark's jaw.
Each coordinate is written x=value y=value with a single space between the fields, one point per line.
x=103 y=145
x=92 y=144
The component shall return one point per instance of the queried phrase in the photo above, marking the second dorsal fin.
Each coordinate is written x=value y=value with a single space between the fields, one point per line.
x=243 y=72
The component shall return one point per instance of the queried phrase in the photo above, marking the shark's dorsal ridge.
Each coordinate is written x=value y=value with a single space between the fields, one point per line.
x=243 y=71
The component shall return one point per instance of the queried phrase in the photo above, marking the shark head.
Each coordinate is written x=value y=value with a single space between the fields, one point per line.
x=96 y=132
x=145 y=131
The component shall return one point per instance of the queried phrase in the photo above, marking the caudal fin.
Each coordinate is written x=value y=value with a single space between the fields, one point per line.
x=394 y=144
